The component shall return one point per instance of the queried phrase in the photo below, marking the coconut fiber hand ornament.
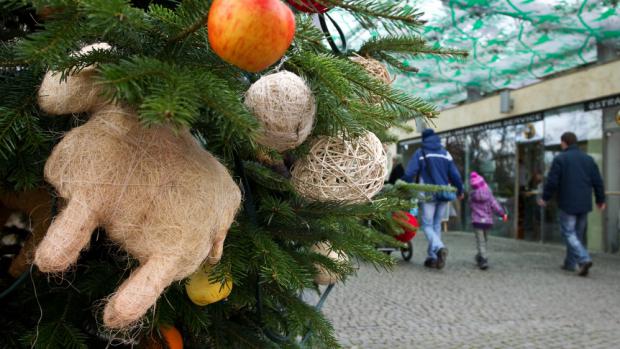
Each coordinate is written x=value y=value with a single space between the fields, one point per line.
x=341 y=170
x=156 y=191
x=285 y=107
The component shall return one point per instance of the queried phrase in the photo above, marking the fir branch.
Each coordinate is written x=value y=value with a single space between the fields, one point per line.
x=10 y=127
x=167 y=92
x=398 y=43
x=10 y=5
x=116 y=21
x=266 y=178
x=404 y=190
x=199 y=24
x=394 y=15
x=308 y=36
x=413 y=45
x=188 y=18
x=57 y=334
x=324 y=68
x=395 y=100
x=226 y=334
x=8 y=59
x=175 y=304
x=346 y=209
x=301 y=317
x=278 y=266
x=394 y=62
x=62 y=34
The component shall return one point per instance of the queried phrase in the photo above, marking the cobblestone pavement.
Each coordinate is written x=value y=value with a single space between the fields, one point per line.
x=524 y=300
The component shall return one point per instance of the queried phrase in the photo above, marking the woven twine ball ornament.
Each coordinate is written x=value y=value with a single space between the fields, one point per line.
x=374 y=68
x=285 y=107
x=341 y=170
x=324 y=276
x=158 y=194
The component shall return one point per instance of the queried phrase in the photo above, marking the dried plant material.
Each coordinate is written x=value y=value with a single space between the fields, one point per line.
x=374 y=68
x=156 y=191
x=285 y=107
x=341 y=170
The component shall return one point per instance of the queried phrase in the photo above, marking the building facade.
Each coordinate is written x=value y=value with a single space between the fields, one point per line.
x=514 y=150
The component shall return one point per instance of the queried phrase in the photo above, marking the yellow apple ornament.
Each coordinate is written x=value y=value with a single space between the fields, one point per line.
x=203 y=291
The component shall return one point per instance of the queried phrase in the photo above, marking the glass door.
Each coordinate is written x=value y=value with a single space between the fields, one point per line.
x=530 y=180
x=612 y=187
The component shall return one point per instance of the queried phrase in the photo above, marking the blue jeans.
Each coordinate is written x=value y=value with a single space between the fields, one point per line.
x=573 y=228
x=432 y=213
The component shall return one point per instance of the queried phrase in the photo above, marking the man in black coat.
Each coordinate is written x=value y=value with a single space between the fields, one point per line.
x=572 y=177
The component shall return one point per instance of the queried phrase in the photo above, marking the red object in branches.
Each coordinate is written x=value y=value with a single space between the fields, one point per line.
x=309 y=6
x=407 y=234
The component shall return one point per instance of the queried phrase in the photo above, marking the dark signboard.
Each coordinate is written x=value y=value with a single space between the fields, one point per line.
x=523 y=119
x=601 y=103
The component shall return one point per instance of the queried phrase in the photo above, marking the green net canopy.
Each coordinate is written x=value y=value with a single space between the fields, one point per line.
x=512 y=43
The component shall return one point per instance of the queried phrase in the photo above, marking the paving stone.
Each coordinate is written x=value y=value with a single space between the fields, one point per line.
x=524 y=300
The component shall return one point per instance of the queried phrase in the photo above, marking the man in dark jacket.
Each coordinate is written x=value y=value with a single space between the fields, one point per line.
x=573 y=176
x=433 y=164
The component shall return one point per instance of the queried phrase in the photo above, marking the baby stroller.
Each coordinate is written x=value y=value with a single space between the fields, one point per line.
x=406 y=222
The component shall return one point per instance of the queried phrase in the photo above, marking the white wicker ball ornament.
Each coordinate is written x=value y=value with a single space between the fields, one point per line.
x=341 y=170
x=285 y=107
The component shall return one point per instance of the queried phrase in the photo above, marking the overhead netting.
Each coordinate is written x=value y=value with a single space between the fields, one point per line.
x=512 y=43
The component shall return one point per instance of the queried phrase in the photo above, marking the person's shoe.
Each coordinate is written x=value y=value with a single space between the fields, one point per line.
x=483 y=263
x=567 y=268
x=442 y=255
x=430 y=263
x=477 y=258
x=584 y=268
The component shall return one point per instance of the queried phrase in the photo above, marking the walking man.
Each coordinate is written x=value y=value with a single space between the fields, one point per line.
x=572 y=177
x=432 y=164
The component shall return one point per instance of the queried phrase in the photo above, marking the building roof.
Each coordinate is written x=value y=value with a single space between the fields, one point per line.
x=512 y=43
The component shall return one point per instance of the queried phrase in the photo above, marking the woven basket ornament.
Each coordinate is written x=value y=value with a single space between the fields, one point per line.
x=285 y=107
x=341 y=170
x=374 y=68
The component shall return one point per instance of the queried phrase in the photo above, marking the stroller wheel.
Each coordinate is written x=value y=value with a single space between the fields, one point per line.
x=407 y=252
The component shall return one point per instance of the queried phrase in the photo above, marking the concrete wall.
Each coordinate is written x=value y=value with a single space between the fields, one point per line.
x=589 y=83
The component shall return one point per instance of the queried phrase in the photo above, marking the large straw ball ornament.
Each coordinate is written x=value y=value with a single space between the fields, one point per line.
x=285 y=107
x=341 y=170
x=374 y=68
x=324 y=276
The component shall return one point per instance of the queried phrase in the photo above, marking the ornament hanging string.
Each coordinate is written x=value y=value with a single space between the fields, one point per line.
x=343 y=48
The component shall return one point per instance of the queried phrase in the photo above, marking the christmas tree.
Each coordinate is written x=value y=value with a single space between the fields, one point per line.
x=171 y=67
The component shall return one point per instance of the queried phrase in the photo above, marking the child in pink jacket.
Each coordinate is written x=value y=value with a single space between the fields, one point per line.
x=483 y=205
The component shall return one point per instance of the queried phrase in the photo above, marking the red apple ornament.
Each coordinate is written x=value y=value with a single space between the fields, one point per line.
x=250 y=34
x=308 y=6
